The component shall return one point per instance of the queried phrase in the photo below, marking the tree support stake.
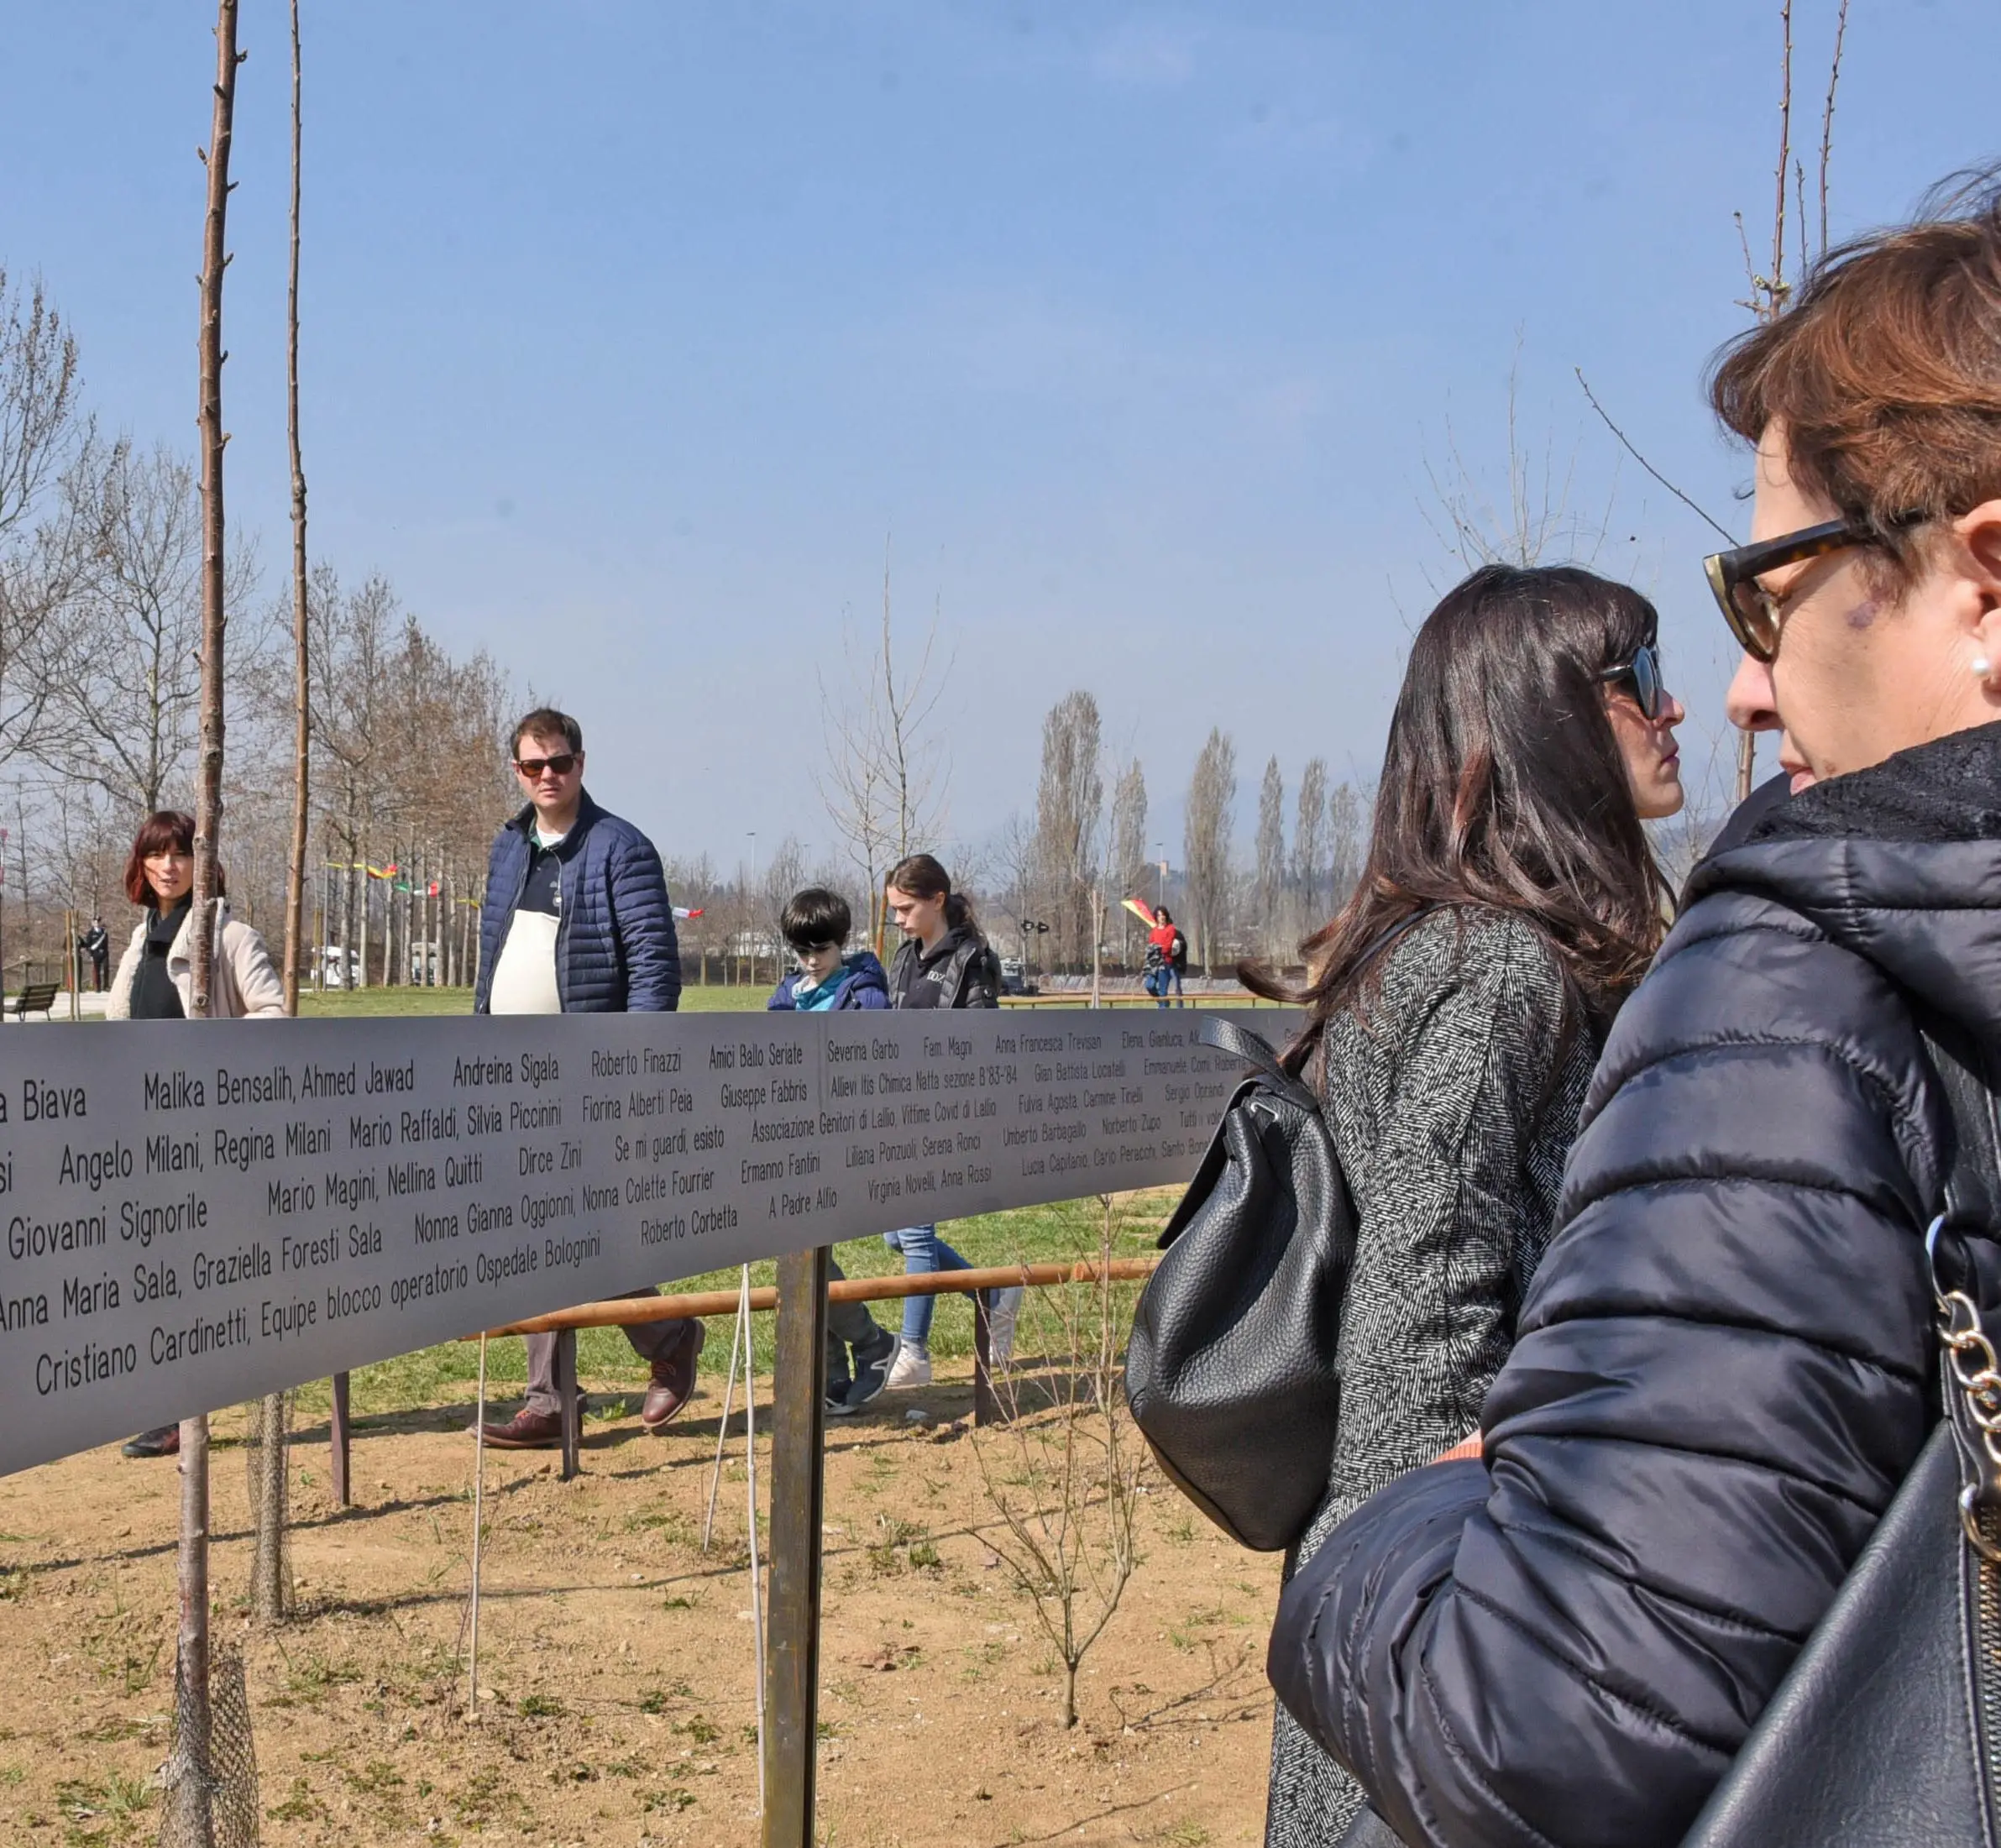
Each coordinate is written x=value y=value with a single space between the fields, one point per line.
x=791 y=1677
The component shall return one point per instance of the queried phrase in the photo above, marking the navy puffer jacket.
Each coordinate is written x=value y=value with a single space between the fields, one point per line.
x=1725 y=1363
x=616 y=951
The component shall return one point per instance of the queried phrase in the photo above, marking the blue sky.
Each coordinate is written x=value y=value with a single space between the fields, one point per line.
x=634 y=328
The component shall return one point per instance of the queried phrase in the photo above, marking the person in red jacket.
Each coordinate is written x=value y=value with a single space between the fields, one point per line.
x=1167 y=937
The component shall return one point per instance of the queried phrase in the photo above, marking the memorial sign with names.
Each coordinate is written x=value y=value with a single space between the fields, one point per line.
x=199 y=1212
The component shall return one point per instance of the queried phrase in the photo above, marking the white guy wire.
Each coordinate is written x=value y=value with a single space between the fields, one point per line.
x=722 y=1428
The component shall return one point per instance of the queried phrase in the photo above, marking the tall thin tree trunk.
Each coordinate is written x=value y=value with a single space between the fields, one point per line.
x=208 y=788
x=189 y=1793
x=193 y=1648
x=1747 y=762
x=270 y=1581
x=271 y=1593
x=294 y=889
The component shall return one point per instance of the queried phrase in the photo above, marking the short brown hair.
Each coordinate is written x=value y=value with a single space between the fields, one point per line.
x=164 y=828
x=546 y=722
x=1885 y=370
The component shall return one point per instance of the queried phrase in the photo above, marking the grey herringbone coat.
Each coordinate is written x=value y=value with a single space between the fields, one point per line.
x=1454 y=1101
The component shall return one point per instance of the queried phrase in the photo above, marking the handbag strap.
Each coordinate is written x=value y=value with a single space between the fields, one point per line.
x=1971 y=1369
x=1255 y=1050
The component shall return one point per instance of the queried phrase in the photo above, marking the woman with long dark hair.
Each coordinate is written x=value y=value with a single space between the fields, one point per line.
x=153 y=981
x=1455 y=1006
x=943 y=962
x=1730 y=1359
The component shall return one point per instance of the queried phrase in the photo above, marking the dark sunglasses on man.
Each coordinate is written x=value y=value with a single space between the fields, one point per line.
x=1754 y=614
x=1642 y=677
x=560 y=765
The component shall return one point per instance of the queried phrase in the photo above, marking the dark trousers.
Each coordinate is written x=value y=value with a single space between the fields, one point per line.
x=651 y=1341
x=848 y=1325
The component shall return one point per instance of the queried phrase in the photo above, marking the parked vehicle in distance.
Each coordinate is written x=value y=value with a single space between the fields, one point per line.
x=334 y=972
x=1014 y=978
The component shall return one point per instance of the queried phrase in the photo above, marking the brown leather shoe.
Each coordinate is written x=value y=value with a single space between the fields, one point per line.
x=527 y=1430
x=672 y=1384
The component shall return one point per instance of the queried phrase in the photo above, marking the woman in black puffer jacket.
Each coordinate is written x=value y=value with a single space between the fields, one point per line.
x=1725 y=1363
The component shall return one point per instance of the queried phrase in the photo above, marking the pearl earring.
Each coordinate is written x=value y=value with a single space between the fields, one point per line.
x=1982 y=668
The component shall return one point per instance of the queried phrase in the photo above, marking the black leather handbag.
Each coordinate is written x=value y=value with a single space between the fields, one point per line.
x=1230 y=1370
x=1887 y=1733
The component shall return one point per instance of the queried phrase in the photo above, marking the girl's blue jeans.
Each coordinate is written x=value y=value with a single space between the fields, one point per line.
x=923 y=1251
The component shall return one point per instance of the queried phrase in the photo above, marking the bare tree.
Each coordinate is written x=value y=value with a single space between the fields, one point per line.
x=42 y=429
x=1268 y=890
x=1771 y=290
x=271 y=1590
x=1065 y=1470
x=1126 y=857
x=1348 y=813
x=1533 y=519
x=1068 y=807
x=783 y=873
x=191 y=1791
x=1014 y=859
x=295 y=876
x=45 y=439
x=127 y=696
x=1206 y=842
x=1310 y=842
x=887 y=776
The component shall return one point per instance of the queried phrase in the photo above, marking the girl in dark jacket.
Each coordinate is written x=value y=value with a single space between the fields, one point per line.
x=1727 y=1363
x=1508 y=903
x=943 y=962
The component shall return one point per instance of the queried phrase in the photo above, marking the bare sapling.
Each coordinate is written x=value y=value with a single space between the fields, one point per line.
x=1772 y=290
x=885 y=783
x=1064 y=1471
x=270 y=1590
x=190 y=1777
x=295 y=882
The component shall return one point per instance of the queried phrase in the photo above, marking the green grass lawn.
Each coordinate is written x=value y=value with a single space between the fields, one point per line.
x=605 y=1361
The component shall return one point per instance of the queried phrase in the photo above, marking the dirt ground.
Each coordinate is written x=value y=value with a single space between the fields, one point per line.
x=616 y=1668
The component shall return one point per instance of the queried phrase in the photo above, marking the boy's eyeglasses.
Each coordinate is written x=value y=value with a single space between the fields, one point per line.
x=561 y=764
x=1643 y=674
x=1754 y=614
x=809 y=949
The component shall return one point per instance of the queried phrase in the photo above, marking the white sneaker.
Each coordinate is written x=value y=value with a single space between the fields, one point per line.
x=1002 y=1316
x=913 y=1365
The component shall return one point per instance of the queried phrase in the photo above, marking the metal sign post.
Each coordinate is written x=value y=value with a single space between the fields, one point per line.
x=792 y=1678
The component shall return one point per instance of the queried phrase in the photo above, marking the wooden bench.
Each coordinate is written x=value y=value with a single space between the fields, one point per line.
x=36 y=997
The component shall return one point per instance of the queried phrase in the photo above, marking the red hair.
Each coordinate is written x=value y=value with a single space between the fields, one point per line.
x=164 y=829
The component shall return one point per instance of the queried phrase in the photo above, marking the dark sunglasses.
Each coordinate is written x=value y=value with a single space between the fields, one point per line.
x=561 y=764
x=1643 y=674
x=1754 y=614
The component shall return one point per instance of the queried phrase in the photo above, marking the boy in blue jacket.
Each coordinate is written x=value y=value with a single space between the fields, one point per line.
x=815 y=925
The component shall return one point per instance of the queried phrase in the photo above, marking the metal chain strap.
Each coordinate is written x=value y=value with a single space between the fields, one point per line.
x=1975 y=1369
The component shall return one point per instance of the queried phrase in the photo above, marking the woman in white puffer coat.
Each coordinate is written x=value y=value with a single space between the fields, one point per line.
x=153 y=981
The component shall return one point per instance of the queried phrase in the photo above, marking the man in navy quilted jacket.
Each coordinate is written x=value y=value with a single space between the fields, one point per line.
x=577 y=920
